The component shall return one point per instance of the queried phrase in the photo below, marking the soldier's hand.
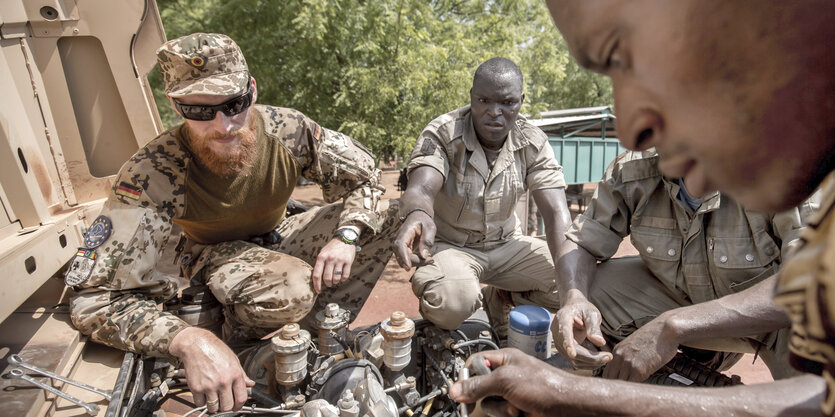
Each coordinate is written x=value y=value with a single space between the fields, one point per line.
x=577 y=335
x=414 y=240
x=524 y=385
x=213 y=372
x=643 y=352
x=333 y=264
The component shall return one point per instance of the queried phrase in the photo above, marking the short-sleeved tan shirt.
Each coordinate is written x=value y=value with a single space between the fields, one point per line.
x=719 y=249
x=475 y=206
x=806 y=289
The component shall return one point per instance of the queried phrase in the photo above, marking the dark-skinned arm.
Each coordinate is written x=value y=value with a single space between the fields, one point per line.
x=747 y=313
x=414 y=240
x=577 y=320
x=576 y=326
x=536 y=390
x=552 y=205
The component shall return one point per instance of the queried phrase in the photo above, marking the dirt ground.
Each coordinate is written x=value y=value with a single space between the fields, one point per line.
x=393 y=291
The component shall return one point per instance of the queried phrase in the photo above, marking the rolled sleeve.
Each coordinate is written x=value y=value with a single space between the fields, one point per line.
x=545 y=172
x=594 y=237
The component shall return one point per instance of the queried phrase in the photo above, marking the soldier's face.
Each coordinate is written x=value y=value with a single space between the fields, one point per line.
x=738 y=96
x=226 y=144
x=495 y=102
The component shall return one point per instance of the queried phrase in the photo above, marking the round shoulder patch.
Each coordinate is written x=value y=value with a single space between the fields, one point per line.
x=98 y=233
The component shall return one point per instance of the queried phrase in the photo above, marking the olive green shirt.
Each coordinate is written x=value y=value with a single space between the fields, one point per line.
x=476 y=204
x=718 y=249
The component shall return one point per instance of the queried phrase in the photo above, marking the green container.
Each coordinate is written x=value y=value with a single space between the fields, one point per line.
x=583 y=139
x=584 y=159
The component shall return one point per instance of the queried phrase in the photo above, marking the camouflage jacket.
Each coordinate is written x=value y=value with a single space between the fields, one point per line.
x=118 y=303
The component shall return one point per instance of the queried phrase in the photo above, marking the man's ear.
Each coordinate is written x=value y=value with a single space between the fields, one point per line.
x=523 y=99
x=254 y=89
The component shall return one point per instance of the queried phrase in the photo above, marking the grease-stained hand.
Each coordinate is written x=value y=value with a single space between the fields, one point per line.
x=333 y=264
x=414 y=240
x=521 y=381
x=577 y=335
x=642 y=353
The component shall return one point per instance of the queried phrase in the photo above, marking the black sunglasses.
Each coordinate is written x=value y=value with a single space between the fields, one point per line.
x=230 y=108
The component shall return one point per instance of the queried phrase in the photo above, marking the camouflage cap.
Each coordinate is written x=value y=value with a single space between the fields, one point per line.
x=202 y=63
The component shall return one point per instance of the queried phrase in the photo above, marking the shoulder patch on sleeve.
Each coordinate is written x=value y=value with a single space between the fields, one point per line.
x=125 y=189
x=98 y=232
x=317 y=131
x=81 y=267
x=427 y=147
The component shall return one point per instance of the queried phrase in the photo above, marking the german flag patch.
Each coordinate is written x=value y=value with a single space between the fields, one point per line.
x=127 y=190
x=317 y=131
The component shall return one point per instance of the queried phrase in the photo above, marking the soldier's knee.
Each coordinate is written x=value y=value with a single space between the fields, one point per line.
x=448 y=309
x=276 y=297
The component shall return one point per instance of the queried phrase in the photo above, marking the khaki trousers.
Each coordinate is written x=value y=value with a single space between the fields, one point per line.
x=264 y=288
x=449 y=290
x=629 y=296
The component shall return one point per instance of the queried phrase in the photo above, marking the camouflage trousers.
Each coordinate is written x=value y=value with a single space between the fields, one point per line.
x=264 y=288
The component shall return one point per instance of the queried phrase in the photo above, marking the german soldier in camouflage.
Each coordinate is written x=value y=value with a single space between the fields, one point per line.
x=225 y=175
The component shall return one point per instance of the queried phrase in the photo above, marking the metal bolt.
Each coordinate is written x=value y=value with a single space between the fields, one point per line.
x=290 y=331
x=332 y=310
x=398 y=318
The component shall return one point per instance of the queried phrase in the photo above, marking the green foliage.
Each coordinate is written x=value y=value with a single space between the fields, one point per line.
x=380 y=70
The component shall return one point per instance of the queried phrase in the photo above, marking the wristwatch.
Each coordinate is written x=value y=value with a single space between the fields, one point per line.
x=348 y=235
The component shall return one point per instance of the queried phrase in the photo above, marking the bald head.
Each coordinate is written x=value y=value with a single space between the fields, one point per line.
x=497 y=69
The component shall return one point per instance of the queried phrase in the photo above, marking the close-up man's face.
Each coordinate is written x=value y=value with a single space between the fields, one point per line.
x=495 y=101
x=736 y=96
x=224 y=144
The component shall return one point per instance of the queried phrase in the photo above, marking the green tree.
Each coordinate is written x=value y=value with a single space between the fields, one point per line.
x=381 y=70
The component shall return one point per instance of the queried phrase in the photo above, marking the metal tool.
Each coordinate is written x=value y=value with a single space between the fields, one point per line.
x=16 y=360
x=463 y=375
x=92 y=409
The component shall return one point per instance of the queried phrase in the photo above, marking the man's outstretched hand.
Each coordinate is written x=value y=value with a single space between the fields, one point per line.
x=414 y=240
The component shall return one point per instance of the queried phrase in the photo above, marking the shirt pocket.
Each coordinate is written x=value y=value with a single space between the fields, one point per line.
x=660 y=250
x=512 y=189
x=738 y=262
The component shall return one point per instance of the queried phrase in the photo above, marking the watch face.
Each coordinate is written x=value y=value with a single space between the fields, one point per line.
x=349 y=234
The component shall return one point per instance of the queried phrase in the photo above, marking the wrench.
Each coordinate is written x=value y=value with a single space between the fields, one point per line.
x=16 y=360
x=92 y=409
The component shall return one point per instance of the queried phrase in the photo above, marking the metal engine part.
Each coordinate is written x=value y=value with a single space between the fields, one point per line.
x=290 y=348
x=373 y=400
x=397 y=332
x=331 y=323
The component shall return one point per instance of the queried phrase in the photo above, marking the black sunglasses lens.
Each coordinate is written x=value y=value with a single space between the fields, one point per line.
x=204 y=113
x=201 y=113
x=237 y=105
